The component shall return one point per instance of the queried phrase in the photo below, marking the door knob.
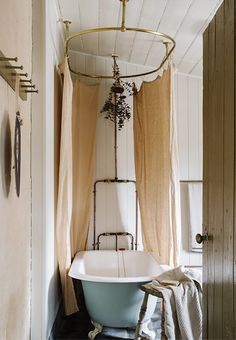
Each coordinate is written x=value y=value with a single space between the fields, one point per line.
x=201 y=238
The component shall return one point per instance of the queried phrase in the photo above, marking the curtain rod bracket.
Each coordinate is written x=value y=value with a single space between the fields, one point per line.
x=67 y=24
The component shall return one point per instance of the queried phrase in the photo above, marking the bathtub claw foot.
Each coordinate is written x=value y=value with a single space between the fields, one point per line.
x=96 y=331
x=148 y=334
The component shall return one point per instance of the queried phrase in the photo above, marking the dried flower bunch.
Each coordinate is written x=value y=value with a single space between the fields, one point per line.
x=115 y=107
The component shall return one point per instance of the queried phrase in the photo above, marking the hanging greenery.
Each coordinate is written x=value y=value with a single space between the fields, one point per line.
x=115 y=108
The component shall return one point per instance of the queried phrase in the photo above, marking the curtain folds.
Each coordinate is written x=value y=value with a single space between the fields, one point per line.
x=77 y=155
x=84 y=126
x=156 y=167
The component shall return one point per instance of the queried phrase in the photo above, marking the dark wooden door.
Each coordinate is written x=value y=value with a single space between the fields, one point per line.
x=219 y=253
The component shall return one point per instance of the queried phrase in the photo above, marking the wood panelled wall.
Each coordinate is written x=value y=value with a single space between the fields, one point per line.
x=116 y=204
x=219 y=175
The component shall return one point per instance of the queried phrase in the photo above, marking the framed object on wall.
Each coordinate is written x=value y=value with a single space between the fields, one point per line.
x=17 y=152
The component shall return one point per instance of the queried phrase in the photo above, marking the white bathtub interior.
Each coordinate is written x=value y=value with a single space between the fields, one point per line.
x=115 y=266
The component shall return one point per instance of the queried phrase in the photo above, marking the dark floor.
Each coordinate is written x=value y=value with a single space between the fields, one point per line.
x=77 y=326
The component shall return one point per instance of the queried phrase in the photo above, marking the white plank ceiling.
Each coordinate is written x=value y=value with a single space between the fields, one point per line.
x=184 y=20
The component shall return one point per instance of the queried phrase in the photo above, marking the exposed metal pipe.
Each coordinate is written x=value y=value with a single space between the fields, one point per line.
x=136 y=218
x=115 y=127
x=116 y=234
x=94 y=214
x=116 y=76
x=108 y=181
x=123 y=28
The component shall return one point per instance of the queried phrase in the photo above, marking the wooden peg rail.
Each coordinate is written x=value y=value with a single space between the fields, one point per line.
x=8 y=72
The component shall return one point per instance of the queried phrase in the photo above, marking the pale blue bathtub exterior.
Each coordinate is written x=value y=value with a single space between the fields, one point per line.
x=116 y=304
x=111 y=283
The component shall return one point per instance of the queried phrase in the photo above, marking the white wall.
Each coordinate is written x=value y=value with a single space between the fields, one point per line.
x=54 y=56
x=188 y=101
x=188 y=98
x=48 y=53
x=15 y=212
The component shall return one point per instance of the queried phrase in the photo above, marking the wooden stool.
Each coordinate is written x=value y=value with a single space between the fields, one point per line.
x=148 y=289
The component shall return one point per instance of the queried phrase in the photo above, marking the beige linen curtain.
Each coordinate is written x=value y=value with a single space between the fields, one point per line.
x=78 y=129
x=155 y=171
x=84 y=125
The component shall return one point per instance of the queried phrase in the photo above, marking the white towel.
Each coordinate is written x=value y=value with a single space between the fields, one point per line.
x=182 y=303
x=195 y=214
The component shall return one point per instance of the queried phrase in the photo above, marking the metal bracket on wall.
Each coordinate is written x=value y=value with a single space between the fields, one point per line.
x=9 y=72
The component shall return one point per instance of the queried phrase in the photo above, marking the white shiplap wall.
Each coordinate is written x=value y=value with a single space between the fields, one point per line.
x=116 y=203
x=48 y=51
x=188 y=102
x=188 y=99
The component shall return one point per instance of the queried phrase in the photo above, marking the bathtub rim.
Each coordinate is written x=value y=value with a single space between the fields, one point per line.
x=116 y=279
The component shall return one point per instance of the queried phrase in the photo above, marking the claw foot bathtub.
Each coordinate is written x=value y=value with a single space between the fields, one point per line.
x=111 y=280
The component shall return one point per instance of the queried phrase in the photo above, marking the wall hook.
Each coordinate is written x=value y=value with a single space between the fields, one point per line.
x=28 y=86
x=31 y=91
x=22 y=74
x=8 y=59
x=10 y=77
x=14 y=67
x=25 y=80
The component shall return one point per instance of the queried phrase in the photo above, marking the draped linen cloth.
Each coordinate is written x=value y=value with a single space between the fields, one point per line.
x=156 y=167
x=78 y=125
x=84 y=124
